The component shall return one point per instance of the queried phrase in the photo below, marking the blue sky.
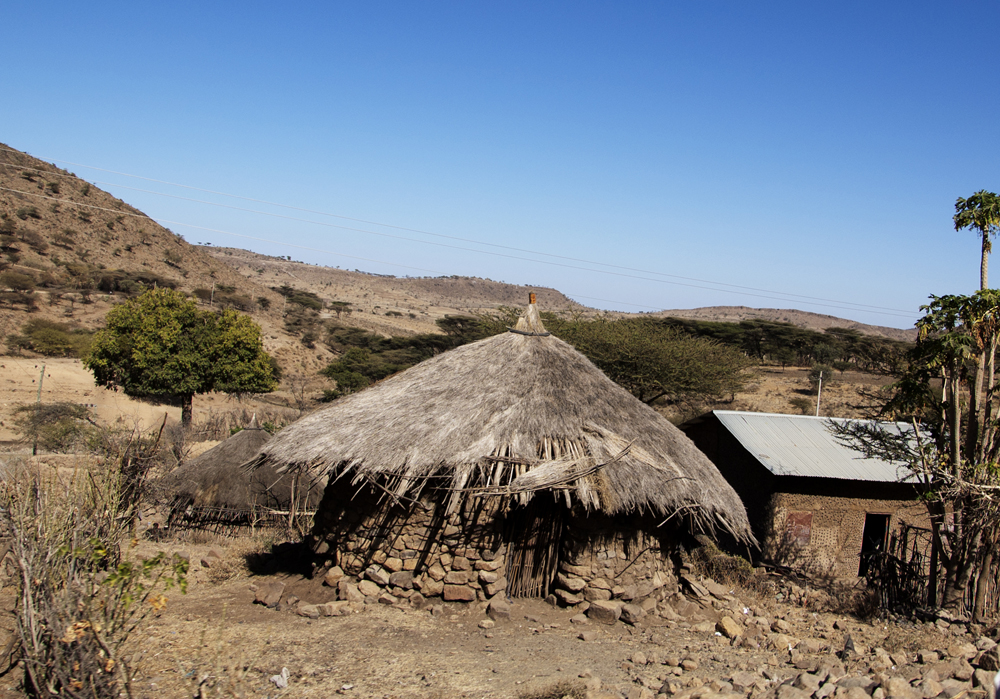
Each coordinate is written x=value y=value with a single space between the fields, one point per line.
x=688 y=154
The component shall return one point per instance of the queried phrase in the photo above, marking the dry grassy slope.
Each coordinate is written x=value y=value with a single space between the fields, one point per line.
x=116 y=236
x=373 y=296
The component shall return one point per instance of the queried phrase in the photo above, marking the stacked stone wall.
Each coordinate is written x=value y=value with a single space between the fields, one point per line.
x=611 y=567
x=411 y=548
x=412 y=551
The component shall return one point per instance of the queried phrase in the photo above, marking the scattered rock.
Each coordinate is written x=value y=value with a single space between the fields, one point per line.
x=605 y=612
x=310 y=611
x=498 y=610
x=280 y=680
x=369 y=589
x=377 y=575
x=269 y=593
x=341 y=608
x=587 y=635
x=632 y=613
x=728 y=627
x=333 y=576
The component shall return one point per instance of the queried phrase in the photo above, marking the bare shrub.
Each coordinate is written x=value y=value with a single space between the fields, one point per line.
x=79 y=596
x=220 y=425
x=560 y=690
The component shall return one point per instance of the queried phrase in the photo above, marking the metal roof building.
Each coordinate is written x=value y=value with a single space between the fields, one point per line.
x=813 y=501
x=802 y=445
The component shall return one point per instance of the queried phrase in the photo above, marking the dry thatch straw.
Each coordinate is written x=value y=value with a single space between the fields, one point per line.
x=509 y=415
x=215 y=480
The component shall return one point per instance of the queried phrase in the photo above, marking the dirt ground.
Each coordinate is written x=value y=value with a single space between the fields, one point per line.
x=216 y=640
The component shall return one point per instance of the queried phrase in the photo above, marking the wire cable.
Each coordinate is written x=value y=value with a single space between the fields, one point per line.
x=792 y=296
x=835 y=305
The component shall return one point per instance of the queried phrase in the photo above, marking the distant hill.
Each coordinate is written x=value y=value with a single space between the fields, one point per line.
x=803 y=319
x=85 y=249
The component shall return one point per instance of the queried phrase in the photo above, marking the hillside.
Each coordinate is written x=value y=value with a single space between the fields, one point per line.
x=803 y=319
x=390 y=305
x=82 y=250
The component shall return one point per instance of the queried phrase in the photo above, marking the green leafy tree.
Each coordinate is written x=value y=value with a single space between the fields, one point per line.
x=654 y=361
x=981 y=213
x=947 y=391
x=162 y=347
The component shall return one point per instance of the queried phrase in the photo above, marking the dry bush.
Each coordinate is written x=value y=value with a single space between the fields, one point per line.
x=565 y=689
x=240 y=555
x=731 y=571
x=220 y=425
x=79 y=597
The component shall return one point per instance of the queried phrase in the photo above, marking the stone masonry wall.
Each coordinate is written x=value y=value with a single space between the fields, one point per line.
x=408 y=549
x=411 y=551
x=837 y=526
x=614 y=567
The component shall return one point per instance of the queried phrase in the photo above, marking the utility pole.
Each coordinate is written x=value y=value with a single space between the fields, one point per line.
x=211 y=301
x=819 y=392
x=38 y=402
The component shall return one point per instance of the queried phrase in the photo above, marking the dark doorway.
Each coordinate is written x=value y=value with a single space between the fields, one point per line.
x=874 y=540
x=532 y=534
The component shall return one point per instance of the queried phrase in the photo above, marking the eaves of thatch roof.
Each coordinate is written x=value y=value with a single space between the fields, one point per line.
x=507 y=416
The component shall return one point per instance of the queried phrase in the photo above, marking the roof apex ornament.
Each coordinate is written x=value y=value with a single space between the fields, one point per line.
x=530 y=323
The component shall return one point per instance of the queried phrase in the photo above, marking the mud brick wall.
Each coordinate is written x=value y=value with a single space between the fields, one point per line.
x=605 y=558
x=837 y=527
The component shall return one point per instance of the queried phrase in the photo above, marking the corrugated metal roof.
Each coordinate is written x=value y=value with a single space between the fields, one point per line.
x=800 y=445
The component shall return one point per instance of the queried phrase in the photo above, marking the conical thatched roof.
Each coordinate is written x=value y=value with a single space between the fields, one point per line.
x=214 y=479
x=510 y=415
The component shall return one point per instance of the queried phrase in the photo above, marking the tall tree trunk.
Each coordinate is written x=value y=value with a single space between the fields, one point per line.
x=982 y=265
x=955 y=438
x=983 y=580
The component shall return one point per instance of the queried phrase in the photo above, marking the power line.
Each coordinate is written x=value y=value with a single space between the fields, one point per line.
x=843 y=305
x=834 y=305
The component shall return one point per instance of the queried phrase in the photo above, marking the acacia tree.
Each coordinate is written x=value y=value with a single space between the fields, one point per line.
x=162 y=347
x=655 y=361
x=980 y=212
x=948 y=393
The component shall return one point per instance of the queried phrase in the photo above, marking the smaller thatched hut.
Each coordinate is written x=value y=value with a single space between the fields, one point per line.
x=510 y=465
x=213 y=491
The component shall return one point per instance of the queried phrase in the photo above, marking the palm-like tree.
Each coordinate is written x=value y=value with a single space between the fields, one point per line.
x=981 y=212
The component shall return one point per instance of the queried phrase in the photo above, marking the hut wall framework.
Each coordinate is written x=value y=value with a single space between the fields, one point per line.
x=407 y=548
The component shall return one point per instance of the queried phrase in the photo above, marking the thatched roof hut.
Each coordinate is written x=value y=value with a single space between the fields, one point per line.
x=510 y=416
x=214 y=485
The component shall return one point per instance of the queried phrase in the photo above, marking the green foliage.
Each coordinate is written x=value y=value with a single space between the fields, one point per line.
x=16 y=281
x=820 y=370
x=981 y=213
x=55 y=427
x=118 y=280
x=947 y=390
x=307 y=299
x=803 y=405
x=26 y=212
x=54 y=339
x=654 y=361
x=162 y=347
x=787 y=344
